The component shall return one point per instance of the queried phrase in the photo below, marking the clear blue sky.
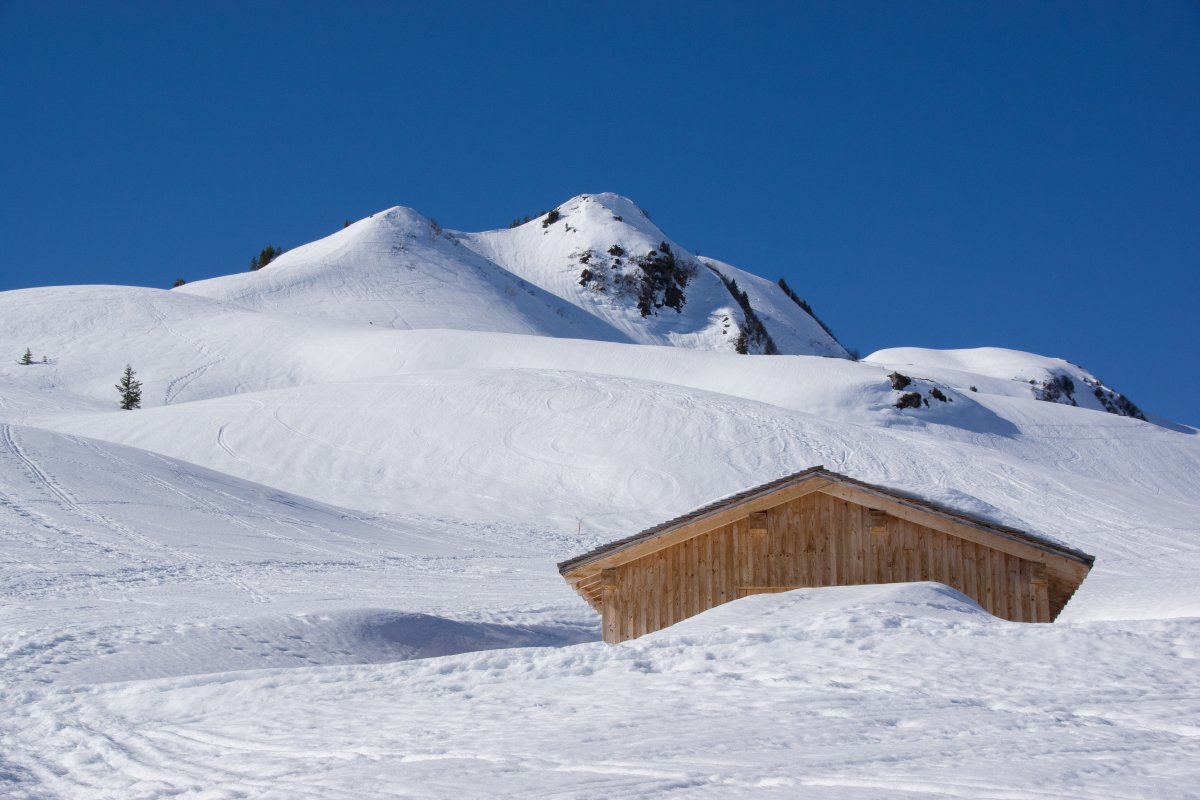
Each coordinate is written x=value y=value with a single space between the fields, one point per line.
x=1024 y=175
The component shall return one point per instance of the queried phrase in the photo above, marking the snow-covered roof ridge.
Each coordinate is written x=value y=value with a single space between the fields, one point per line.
x=1038 y=540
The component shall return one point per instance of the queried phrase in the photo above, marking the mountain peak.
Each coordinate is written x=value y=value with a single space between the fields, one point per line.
x=603 y=254
x=606 y=208
x=400 y=219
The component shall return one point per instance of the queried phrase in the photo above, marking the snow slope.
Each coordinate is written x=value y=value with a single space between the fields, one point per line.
x=186 y=347
x=1050 y=379
x=320 y=561
x=603 y=234
x=119 y=563
x=546 y=434
x=539 y=449
x=397 y=269
x=182 y=346
x=792 y=329
x=854 y=692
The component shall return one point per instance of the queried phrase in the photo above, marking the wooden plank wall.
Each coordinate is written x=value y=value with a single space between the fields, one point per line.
x=815 y=540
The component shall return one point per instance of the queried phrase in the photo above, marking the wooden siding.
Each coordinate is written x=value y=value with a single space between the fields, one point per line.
x=816 y=539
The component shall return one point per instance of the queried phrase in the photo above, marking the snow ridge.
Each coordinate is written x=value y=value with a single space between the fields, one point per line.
x=593 y=268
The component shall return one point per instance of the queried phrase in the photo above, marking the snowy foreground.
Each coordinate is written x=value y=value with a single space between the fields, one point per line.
x=889 y=691
x=320 y=561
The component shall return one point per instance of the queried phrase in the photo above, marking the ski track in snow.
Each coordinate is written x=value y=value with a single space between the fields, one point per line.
x=217 y=512
x=63 y=499
x=70 y=504
x=178 y=384
x=225 y=446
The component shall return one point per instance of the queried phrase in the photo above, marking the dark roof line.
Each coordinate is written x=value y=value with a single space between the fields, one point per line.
x=779 y=483
x=662 y=527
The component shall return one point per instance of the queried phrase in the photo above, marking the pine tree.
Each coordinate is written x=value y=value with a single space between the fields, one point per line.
x=130 y=389
x=27 y=359
x=268 y=254
x=178 y=282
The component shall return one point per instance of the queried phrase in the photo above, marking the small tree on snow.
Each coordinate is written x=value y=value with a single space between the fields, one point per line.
x=26 y=359
x=130 y=389
x=268 y=254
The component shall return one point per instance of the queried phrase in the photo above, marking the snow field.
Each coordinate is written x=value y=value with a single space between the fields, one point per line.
x=570 y=460
x=120 y=564
x=892 y=691
x=320 y=561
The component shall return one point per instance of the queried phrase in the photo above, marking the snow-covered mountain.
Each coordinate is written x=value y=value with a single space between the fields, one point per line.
x=376 y=448
x=603 y=254
x=398 y=269
x=594 y=268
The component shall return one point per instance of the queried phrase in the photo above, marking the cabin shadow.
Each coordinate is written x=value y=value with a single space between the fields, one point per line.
x=401 y=636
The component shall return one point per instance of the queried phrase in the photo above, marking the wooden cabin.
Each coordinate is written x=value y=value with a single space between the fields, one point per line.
x=819 y=528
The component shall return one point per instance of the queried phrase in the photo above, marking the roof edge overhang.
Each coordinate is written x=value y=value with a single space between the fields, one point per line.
x=821 y=479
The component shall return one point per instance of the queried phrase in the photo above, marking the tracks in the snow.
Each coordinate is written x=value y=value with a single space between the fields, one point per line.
x=142 y=544
x=179 y=383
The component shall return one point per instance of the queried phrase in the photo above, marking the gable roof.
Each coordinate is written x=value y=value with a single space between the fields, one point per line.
x=949 y=515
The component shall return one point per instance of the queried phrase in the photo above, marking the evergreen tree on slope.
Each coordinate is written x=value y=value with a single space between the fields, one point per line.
x=130 y=389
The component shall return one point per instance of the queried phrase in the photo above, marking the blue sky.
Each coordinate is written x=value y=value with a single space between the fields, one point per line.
x=1023 y=175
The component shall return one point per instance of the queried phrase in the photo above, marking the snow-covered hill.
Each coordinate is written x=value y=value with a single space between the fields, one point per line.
x=1051 y=379
x=376 y=449
x=398 y=269
x=603 y=254
x=594 y=268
